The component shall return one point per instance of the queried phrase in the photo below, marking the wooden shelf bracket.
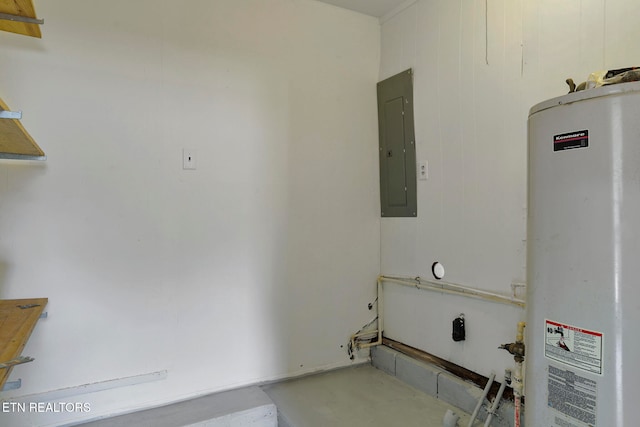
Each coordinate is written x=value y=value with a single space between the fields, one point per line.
x=16 y=361
x=19 y=16
x=15 y=141
x=18 y=318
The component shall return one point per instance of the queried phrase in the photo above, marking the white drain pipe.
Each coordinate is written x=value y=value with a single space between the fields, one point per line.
x=517 y=377
x=517 y=393
x=484 y=395
x=450 y=419
x=517 y=349
x=454 y=289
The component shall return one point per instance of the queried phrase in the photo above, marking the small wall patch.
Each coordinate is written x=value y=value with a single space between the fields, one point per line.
x=571 y=140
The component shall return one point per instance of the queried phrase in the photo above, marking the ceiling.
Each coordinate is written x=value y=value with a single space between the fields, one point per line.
x=377 y=8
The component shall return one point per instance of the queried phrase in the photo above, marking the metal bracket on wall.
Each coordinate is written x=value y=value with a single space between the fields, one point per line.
x=16 y=361
x=19 y=18
x=5 y=114
x=21 y=157
x=26 y=306
x=12 y=385
x=16 y=142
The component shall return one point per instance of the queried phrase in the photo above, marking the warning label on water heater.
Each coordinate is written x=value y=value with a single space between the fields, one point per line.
x=568 y=141
x=573 y=396
x=573 y=346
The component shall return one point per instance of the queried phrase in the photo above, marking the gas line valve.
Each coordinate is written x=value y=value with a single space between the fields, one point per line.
x=515 y=348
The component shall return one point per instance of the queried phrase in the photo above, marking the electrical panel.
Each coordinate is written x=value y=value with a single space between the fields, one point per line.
x=397 y=146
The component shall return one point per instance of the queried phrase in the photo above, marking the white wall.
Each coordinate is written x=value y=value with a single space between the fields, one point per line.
x=257 y=265
x=474 y=82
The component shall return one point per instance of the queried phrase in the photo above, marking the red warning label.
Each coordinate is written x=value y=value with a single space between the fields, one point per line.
x=573 y=346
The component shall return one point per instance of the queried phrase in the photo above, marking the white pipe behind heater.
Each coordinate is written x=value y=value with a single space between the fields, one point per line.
x=484 y=395
x=496 y=402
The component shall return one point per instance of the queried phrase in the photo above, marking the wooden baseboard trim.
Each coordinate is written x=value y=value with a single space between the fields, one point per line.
x=459 y=371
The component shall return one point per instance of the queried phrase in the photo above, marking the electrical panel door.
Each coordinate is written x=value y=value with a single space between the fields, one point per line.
x=397 y=146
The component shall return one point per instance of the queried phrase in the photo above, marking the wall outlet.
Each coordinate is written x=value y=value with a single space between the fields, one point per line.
x=423 y=170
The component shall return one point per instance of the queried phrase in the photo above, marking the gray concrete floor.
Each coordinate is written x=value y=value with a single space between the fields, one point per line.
x=360 y=396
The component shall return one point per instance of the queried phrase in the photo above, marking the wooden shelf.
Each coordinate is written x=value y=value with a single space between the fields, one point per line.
x=20 y=8
x=15 y=141
x=16 y=324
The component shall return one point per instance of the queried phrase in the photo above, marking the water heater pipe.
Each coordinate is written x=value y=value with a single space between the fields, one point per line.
x=517 y=394
x=484 y=395
x=496 y=402
x=520 y=332
x=437 y=286
x=453 y=288
x=517 y=349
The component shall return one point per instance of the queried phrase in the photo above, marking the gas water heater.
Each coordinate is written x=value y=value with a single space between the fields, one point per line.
x=583 y=279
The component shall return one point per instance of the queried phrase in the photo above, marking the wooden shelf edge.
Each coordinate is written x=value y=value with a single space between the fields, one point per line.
x=22 y=8
x=18 y=318
x=15 y=141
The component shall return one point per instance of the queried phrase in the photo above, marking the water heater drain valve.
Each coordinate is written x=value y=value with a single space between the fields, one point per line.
x=515 y=348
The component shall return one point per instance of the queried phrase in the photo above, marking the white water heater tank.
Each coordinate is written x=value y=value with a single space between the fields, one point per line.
x=583 y=279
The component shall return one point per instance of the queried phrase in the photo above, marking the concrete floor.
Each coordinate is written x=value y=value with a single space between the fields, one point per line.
x=360 y=396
